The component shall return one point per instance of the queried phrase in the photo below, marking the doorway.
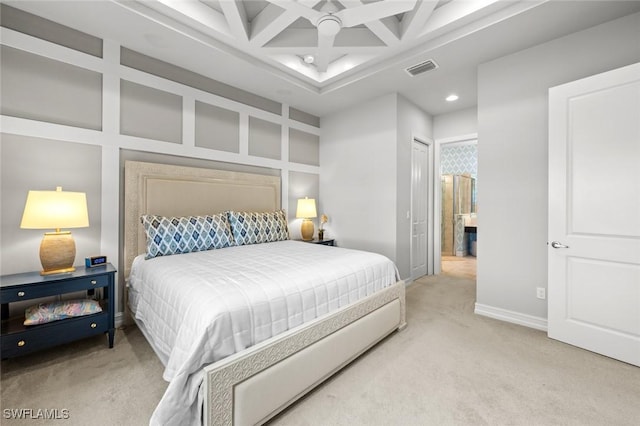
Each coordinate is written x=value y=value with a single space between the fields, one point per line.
x=458 y=206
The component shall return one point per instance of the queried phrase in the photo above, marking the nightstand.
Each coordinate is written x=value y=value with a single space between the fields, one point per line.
x=17 y=339
x=325 y=242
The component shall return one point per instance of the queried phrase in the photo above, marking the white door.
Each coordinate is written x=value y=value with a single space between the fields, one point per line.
x=594 y=213
x=419 y=203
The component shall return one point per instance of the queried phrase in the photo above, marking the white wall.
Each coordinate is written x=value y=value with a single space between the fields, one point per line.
x=358 y=175
x=365 y=175
x=512 y=153
x=455 y=124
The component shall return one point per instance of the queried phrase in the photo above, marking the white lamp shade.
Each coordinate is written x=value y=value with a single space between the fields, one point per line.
x=55 y=210
x=306 y=208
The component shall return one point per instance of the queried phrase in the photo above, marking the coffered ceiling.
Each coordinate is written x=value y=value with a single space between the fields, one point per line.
x=319 y=55
x=322 y=43
x=317 y=41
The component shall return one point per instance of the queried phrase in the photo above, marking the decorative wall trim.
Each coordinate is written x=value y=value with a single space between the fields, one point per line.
x=172 y=72
x=512 y=317
x=112 y=142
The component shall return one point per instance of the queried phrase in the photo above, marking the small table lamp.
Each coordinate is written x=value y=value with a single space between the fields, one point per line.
x=56 y=210
x=306 y=210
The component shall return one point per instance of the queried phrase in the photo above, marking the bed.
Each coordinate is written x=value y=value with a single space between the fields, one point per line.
x=263 y=367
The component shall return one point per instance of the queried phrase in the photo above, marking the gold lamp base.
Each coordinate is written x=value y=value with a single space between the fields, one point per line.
x=307 y=230
x=57 y=253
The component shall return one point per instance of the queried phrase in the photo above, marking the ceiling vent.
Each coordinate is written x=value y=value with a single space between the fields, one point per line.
x=422 y=67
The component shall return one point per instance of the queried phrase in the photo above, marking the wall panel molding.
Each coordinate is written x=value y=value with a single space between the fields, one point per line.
x=113 y=143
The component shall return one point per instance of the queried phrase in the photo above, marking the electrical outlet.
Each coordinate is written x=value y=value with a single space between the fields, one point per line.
x=541 y=293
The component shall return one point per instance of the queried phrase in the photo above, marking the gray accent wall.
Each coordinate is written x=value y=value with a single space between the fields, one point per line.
x=150 y=113
x=303 y=185
x=217 y=128
x=303 y=117
x=304 y=147
x=42 y=89
x=265 y=139
x=35 y=26
x=29 y=163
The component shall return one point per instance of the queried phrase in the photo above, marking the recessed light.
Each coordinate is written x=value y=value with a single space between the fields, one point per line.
x=308 y=59
x=452 y=98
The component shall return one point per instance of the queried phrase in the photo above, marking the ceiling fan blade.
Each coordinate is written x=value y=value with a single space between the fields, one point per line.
x=323 y=55
x=293 y=6
x=373 y=11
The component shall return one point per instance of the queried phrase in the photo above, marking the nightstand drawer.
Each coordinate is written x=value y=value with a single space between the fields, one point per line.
x=52 y=288
x=54 y=333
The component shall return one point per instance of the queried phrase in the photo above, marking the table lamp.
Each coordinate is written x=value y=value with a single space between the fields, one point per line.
x=306 y=210
x=56 y=210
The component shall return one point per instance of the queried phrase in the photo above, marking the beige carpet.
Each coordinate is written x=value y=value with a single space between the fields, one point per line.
x=449 y=367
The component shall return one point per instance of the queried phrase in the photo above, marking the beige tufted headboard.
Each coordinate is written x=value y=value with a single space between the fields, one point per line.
x=168 y=190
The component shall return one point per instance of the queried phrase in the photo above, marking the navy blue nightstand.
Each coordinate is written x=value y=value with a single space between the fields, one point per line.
x=325 y=242
x=17 y=339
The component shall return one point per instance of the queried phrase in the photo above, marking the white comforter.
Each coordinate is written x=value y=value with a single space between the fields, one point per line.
x=198 y=308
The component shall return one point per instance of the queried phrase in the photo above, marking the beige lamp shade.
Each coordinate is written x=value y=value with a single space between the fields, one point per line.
x=306 y=210
x=56 y=210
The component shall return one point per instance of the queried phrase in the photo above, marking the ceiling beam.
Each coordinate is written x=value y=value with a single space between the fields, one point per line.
x=336 y=50
x=386 y=29
x=305 y=37
x=273 y=20
x=236 y=17
x=415 y=20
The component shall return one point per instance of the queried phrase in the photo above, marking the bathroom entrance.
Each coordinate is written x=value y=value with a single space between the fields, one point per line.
x=459 y=207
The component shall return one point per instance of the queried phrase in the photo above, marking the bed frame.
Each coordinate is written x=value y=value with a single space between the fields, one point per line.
x=254 y=385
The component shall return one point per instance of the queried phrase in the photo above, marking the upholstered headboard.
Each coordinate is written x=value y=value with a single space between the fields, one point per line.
x=168 y=190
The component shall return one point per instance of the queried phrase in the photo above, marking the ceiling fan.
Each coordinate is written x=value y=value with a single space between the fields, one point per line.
x=329 y=20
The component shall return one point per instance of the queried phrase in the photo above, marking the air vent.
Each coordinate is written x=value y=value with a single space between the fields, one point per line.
x=422 y=67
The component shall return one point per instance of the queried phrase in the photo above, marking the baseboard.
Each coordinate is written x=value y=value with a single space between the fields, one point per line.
x=119 y=319
x=511 y=316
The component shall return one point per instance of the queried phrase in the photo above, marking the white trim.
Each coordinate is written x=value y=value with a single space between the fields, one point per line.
x=530 y=321
x=467 y=139
x=119 y=319
x=428 y=142
x=188 y=121
x=46 y=49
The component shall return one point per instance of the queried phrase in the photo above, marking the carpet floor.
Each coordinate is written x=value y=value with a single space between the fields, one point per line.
x=448 y=367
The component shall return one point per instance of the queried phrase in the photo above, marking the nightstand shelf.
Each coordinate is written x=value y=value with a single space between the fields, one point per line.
x=325 y=242
x=18 y=339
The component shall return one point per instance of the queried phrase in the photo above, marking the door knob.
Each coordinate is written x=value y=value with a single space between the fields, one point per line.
x=558 y=245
